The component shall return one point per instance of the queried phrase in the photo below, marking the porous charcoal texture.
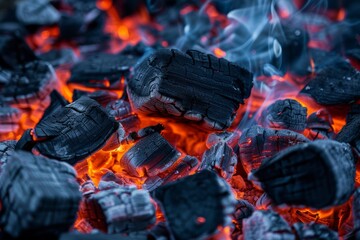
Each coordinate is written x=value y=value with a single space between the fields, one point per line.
x=321 y=178
x=195 y=206
x=190 y=85
x=243 y=209
x=231 y=138
x=6 y=150
x=39 y=196
x=314 y=231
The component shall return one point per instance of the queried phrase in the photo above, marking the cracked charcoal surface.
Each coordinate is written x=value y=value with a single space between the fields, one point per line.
x=103 y=97
x=285 y=114
x=294 y=178
x=6 y=150
x=221 y=159
x=150 y=156
x=195 y=206
x=257 y=143
x=191 y=86
x=266 y=225
x=334 y=85
x=38 y=196
x=231 y=138
x=314 y=231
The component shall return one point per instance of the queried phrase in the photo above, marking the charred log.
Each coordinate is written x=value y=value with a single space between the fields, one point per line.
x=314 y=231
x=294 y=178
x=195 y=206
x=191 y=86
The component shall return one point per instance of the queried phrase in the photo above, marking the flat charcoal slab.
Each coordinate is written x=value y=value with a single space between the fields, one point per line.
x=150 y=156
x=75 y=131
x=194 y=86
x=6 y=150
x=334 y=85
x=285 y=114
x=38 y=196
x=257 y=143
x=195 y=206
x=314 y=231
x=321 y=178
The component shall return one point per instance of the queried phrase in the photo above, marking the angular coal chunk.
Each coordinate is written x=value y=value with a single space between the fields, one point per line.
x=243 y=209
x=39 y=196
x=195 y=206
x=321 y=178
x=103 y=97
x=221 y=159
x=191 y=85
x=119 y=108
x=150 y=156
x=9 y=118
x=7 y=148
x=334 y=85
x=31 y=83
x=231 y=138
x=126 y=209
x=320 y=124
x=314 y=231
x=285 y=114
x=257 y=143
x=57 y=101
x=75 y=131
x=181 y=169
x=59 y=57
x=266 y=225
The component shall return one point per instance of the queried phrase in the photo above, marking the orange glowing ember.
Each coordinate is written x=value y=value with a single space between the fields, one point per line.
x=219 y=53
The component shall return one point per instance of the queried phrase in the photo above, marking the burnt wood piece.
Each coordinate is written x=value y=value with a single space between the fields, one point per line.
x=59 y=57
x=37 y=12
x=266 y=224
x=30 y=84
x=243 y=209
x=103 y=97
x=57 y=102
x=122 y=112
x=74 y=132
x=257 y=143
x=39 y=196
x=314 y=231
x=356 y=213
x=231 y=138
x=190 y=85
x=9 y=118
x=126 y=209
x=195 y=206
x=150 y=156
x=350 y=133
x=334 y=85
x=320 y=124
x=321 y=178
x=285 y=114
x=186 y=165
x=221 y=159
x=6 y=150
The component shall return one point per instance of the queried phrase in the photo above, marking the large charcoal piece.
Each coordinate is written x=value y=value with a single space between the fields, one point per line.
x=192 y=85
x=334 y=85
x=73 y=132
x=266 y=225
x=38 y=196
x=126 y=209
x=150 y=156
x=6 y=150
x=9 y=118
x=319 y=174
x=257 y=143
x=314 y=231
x=285 y=114
x=31 y=83
x=197 y=205
x=221 y=159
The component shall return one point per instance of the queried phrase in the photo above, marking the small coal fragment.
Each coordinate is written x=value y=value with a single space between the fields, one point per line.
x=266 y=225
x=334 y=85
x=119 y=109
x=314 y=231
x=320 y=125
x=194 y=86
x=6 y=150
x=31 y=83
x=185 y=166
x=9 y=118
x=356 y=213
x=195 y=206
x=126 y=209
x=59 y=57
x=221 y=159
x=103 y=97
x=231 y=138
x=75 y=131
x=57 y=102
x=321 y=178
x=285 y=114
x=350 y=133
x=257 y=143
x=150 y=156
x=39 y=197
x=243 y=209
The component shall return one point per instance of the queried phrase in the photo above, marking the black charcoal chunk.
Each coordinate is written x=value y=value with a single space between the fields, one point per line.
x=319 y=174
x=195 y=206
x=257 y=143
x=231 y=138
x=150 y=156
x=191 y=85
x=57 y=102
x=7 y=148
x=334 y=85
x=320 y=124
x=30 y=84
x=9 y=118
x=314 y=231
x=75 y=131
x=37 y=12
x=221 y=159
x=266 y=225
x=285 y=114
x=243 y=209
x=119 y=108
x=39 y=196
x=126 y=209
x=59 y=57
